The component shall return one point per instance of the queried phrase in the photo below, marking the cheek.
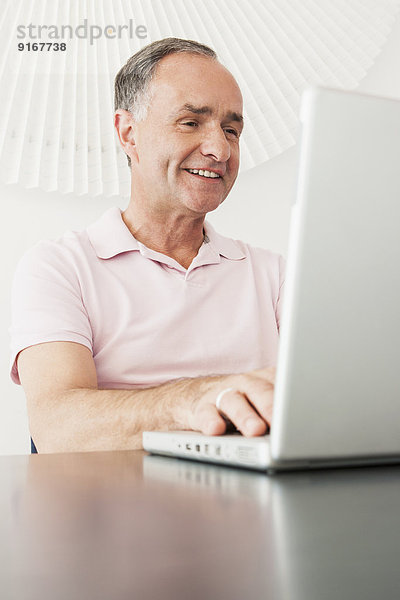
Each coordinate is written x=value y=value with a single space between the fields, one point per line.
x=234 y=160
x=167 y=153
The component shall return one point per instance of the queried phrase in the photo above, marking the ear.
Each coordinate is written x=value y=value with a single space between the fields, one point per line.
x=124 y=125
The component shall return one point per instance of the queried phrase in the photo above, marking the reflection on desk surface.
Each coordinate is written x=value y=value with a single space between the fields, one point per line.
x=329 y=531
x=123 y=525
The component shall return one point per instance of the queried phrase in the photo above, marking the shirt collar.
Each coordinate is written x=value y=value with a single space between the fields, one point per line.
x=110 y=236
x=224 y=246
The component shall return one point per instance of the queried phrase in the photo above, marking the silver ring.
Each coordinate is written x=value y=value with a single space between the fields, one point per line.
x=219 y=398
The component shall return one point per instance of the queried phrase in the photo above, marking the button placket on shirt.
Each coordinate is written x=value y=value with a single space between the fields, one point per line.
x=194 y=275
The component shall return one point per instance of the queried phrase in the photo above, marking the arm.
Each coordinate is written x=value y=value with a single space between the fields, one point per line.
x=67 y=412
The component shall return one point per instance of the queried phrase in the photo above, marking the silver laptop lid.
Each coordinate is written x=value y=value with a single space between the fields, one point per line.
x=338 y=380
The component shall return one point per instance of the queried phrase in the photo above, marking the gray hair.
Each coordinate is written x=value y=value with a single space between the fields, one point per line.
x=132 y=83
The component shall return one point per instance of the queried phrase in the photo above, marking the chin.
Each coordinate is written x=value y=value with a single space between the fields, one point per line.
x=204 y=206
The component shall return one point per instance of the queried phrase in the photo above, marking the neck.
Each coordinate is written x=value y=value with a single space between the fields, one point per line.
x=176 y=236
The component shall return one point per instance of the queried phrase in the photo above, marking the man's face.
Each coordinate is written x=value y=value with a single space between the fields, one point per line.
x=193 y=125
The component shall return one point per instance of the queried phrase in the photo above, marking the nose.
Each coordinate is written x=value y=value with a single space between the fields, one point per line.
x=215 y=144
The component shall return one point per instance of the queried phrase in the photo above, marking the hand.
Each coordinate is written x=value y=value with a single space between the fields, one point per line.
x=248 y=405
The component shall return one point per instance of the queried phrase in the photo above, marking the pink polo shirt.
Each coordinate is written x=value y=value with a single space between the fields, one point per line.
x=145 y=318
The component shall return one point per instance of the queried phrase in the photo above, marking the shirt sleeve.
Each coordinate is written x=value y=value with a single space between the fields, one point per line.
x=46 y=302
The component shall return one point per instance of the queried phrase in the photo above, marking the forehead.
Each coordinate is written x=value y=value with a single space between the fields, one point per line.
x=184 y=78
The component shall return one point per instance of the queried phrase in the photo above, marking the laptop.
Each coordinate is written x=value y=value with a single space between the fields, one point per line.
x=337 y=390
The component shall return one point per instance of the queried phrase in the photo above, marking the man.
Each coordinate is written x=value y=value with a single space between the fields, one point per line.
x=149 y=317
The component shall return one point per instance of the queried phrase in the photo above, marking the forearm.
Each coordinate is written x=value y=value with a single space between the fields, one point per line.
x=91 y=419
x=68 y=413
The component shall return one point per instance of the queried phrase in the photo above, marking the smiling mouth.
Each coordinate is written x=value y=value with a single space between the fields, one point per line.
x=204 y=173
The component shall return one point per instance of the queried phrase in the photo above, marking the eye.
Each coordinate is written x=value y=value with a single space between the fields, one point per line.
x=231 y=132
x=190 y=123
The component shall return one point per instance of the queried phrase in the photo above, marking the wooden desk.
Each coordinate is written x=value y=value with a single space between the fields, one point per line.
x=124 y=525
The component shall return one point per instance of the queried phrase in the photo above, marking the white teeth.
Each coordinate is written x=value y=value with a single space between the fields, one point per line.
x=204 y=173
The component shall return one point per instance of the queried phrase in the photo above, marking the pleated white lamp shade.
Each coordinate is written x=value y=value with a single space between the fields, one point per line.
x=56 y=106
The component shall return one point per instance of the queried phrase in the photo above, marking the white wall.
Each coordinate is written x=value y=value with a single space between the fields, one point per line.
x=257 y=210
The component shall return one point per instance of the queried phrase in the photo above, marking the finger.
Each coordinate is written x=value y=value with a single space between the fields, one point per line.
x=238 y=409
x=260 y=394
x=208 y=420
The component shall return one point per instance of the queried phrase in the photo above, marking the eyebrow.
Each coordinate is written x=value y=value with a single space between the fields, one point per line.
x=206 y=110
